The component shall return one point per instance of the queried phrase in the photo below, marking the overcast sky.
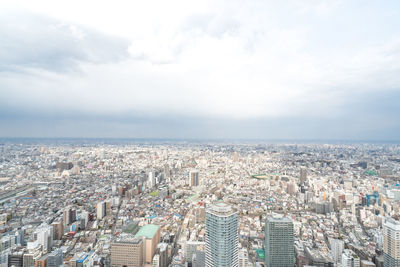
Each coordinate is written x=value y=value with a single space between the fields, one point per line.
x=311 y=69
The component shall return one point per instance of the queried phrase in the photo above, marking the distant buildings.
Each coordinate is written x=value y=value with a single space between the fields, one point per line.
x=221 y=236
x=279 y=242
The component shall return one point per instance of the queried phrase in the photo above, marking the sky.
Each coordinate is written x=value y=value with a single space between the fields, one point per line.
x=220 y=69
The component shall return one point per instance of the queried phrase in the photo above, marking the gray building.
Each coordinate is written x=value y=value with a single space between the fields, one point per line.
x=279 y=242
x=221 y=236
x=55 y=258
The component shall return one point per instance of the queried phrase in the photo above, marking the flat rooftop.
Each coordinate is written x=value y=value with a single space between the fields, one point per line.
x=148 y=231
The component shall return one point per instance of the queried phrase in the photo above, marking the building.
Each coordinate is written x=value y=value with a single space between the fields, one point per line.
x=190 y=249
x=101 y=210
x=279 y=242
x=16 y=259
x=55 y=258
x=151 y=235
x=162 y=250
x=69 y=215
x=32 y=256
x=194 y=178
x=221 y=236
x=41 y=262
x=156 y=260
x=324 y=207
x=58 y=230
x=44 y=237
x=243 y=258
x=127 y=251
x=365 y=263
x=303 y=175
x=350 y=259
x=337 y=247
x=391 y=243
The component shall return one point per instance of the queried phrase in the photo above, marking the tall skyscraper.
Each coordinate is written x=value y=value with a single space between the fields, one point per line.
x=391 y=243
x=221 y=236
x=279 y=242
x=194 y=178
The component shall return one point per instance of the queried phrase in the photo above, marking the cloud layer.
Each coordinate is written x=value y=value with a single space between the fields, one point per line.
x=225 y=69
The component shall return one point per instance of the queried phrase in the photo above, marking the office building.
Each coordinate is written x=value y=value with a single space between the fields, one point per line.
x=221 y=236
x=151 y=235
x=127 y=252
x=55 y=258
x=279 y=242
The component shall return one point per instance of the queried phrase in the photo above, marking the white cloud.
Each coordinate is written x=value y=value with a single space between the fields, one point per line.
x=206 y=58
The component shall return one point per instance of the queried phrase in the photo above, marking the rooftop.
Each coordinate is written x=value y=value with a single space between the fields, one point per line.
x=148 y=231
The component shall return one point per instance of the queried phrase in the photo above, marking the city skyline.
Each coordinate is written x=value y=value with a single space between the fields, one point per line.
x=210 y=69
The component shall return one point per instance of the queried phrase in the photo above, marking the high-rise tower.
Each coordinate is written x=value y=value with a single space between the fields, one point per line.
x=391 y=243
x=279 y=242
x=221 y=236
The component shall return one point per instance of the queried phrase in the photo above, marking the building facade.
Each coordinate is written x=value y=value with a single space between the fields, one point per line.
x=279 y=242
x=221 y=236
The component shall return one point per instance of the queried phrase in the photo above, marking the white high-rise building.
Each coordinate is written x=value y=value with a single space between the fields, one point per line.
x=337 y=247
x=221 y=236
x=44 y=237
x=391 y=243
x=151 y=179
x=350 y=259
x=101 y=210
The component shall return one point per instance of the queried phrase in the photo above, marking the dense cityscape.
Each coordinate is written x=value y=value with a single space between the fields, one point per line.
x=176 y=203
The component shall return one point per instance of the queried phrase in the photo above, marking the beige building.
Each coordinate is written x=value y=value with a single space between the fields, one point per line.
x=58 y=230
x=127 y=252
x=151 y=235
